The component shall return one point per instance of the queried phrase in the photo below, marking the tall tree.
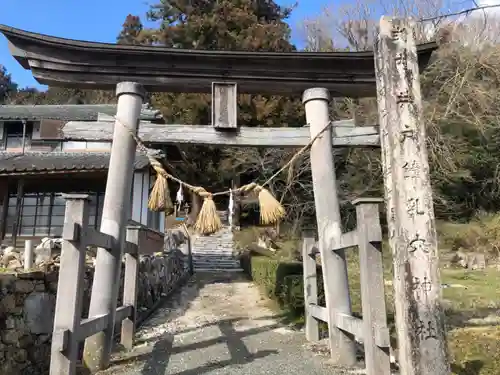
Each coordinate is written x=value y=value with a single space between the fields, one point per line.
x=7 y=86
x=133 y=32
x=131 y=29
x=250 y=25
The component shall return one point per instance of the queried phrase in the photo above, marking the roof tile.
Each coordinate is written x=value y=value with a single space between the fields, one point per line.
x=36 y=162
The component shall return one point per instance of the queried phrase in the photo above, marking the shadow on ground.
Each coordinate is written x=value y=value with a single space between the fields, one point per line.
x=469 y=368
x=154 y=353
x=478 y=317
x=157 y=361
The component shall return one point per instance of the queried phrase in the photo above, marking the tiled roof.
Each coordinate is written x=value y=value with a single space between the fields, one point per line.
x=69 y=112
x=50 y=162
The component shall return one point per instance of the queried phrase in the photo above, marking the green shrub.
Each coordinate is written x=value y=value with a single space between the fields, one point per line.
x=282 y=281
x=481 y=234
x=292 y=294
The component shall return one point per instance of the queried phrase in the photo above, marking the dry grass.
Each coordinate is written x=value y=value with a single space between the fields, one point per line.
x=472 y=304
x=482 y=234
x=289 y=248
x=472 y=308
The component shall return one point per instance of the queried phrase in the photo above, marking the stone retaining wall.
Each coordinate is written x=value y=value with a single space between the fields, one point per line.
x=27 y=303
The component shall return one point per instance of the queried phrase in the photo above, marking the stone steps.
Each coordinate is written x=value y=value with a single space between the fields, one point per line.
x=216 y=260
x=219 y=269
x=219 y=259
x=215 y=252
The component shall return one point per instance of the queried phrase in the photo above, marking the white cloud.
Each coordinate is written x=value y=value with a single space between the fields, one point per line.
x=493 y=11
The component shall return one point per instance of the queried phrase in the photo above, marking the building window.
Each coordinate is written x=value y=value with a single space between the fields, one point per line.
x=13 y=134
x=42 y=215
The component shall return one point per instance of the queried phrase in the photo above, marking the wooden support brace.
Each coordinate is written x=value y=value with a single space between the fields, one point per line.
x=60 y=340
x=65 y=348
x=349 y=323
x=90 y=326
x=4 y=196
x=93 y=237
x=310 y=286
x=130 y=248
x=314 y=250
x=224 y=105
x=345 y=241
x=130 y=289
x=19 y=202
x=190 y=255
x=374 y=324
x=318 y=312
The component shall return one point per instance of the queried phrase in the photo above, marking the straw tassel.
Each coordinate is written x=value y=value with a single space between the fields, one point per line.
x=159 y=199
x=208 y=220
x=271 y=211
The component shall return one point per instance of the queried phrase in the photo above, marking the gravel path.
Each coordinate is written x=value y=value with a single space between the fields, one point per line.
x=216 y=325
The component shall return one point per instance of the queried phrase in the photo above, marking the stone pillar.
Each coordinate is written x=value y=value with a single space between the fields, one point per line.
x=115 y=216
x=409 y=203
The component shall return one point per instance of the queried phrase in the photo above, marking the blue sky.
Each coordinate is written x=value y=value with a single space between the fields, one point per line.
x=94 y=20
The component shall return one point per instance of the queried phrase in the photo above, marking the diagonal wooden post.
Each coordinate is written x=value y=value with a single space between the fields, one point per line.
x=310 y=285
x=408 y=194
x=68 y=314
x=115 y=215
x=333 y=264
x=130 y=287
x=376 y=333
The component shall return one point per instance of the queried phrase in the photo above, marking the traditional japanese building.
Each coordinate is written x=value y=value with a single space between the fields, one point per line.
x=37 y=164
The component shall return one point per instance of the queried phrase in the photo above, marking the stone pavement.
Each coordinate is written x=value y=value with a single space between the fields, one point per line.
x=218 y=324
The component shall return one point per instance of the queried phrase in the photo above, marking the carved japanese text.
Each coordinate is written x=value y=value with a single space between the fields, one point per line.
x=418 y=245
x=426 y=330
x=414 y=207
x=421 y=286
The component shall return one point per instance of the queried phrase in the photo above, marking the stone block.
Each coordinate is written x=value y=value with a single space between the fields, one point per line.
x=25 y=286
x=8 y=303
x=39 y=311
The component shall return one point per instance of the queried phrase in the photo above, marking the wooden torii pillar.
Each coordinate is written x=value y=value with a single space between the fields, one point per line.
x=115 y=215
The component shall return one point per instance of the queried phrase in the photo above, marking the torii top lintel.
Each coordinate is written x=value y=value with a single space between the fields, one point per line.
x=72 y=63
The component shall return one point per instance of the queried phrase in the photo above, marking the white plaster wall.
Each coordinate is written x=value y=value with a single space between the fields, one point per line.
x=141 y=186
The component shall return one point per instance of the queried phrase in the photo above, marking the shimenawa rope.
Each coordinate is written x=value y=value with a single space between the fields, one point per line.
x=208 y=221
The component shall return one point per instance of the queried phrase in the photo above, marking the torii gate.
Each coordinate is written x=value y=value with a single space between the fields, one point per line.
x=395 y=82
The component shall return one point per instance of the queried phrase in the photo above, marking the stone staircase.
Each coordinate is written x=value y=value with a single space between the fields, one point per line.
x=215 y=252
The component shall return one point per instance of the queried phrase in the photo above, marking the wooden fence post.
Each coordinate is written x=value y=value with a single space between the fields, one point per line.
x=310 y=285
x=333 y=264
x=130 y=288
x=68 y=312
x=408 y=194
x=28 y=255
x=115 y=215
x=190 y=255
x=376 y=333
